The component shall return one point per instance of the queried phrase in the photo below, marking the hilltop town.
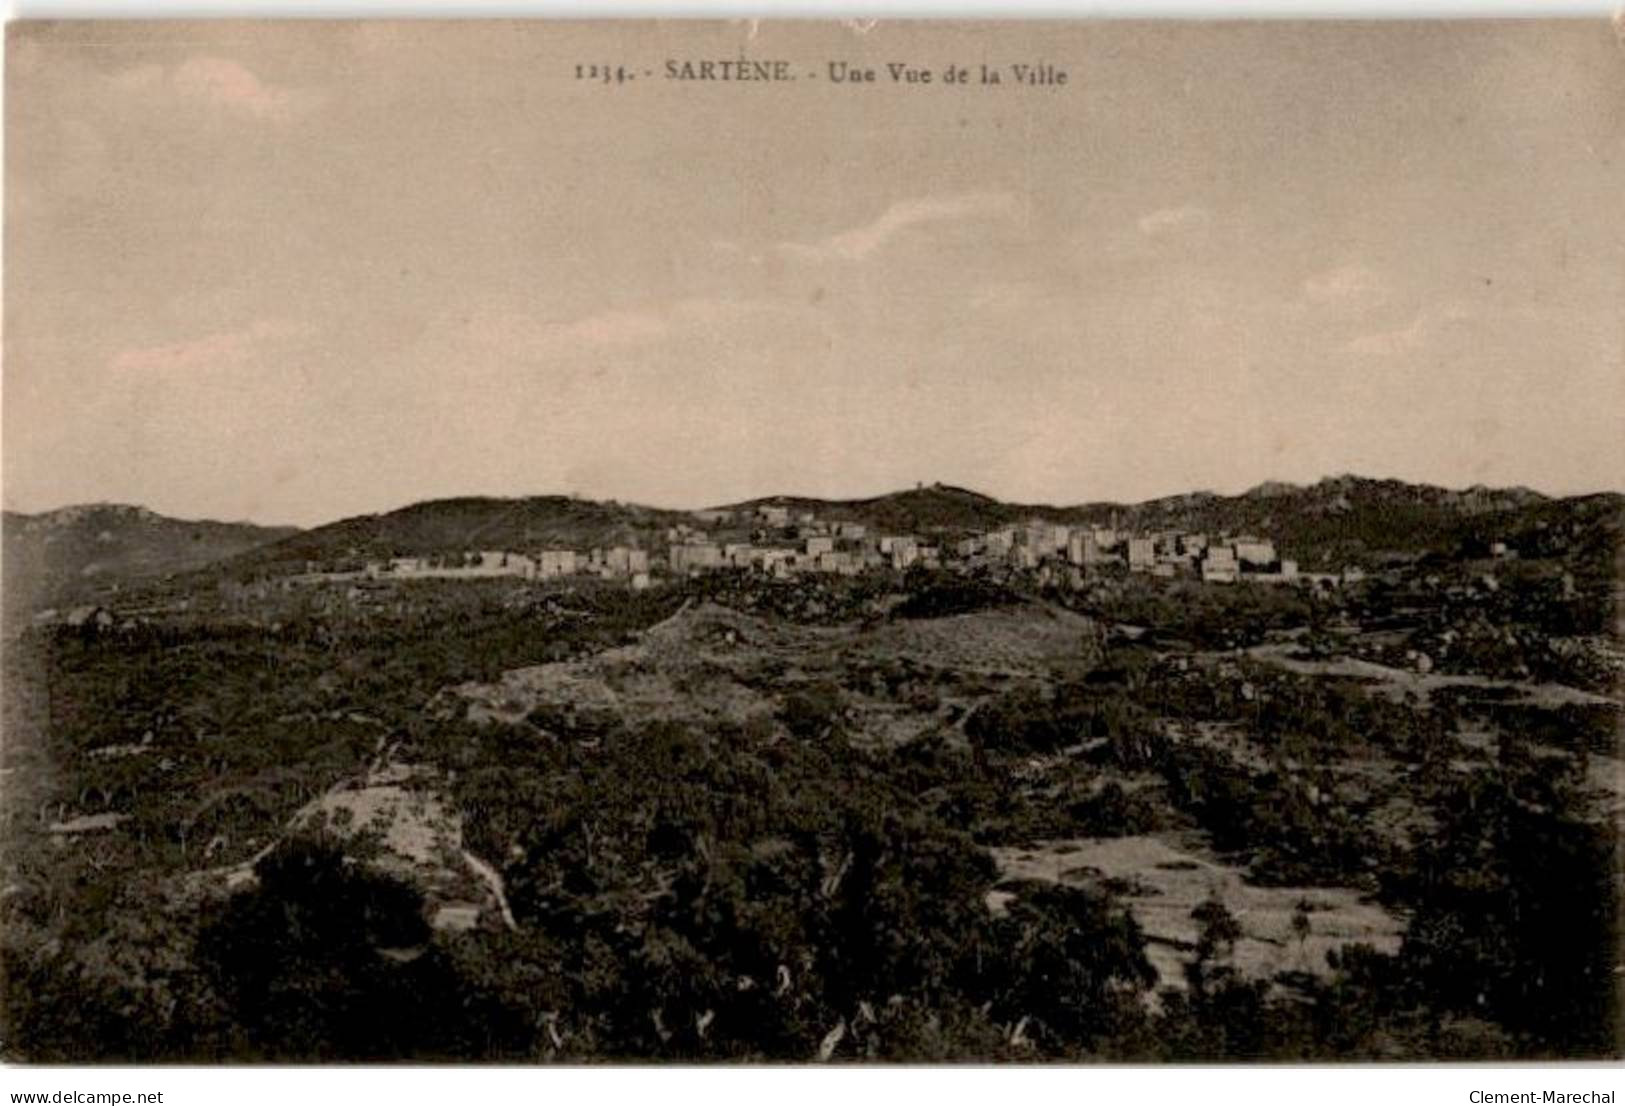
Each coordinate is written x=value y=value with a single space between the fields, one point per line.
x=785 y=541
x=1320 y=772
x=782 y=543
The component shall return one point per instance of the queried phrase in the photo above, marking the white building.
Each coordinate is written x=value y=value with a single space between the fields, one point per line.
x=555 y=562
x=1219 y=565
x=618 y=559
x=843 y=563
x=1255 y=552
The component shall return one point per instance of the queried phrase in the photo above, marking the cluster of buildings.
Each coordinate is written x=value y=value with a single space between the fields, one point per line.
x=1220 y=559
x=616 y=562
x=782 y=541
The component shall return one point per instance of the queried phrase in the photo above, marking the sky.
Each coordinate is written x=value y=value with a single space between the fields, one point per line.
x=295 y=272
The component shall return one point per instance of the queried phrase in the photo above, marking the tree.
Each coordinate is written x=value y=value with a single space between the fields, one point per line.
x=1300 y=922
x=1072 y=967
x=1215 y=941
x=327 y=960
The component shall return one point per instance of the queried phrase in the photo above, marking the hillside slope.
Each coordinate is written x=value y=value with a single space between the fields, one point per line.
x=75 y=552
x=1336 y=521
x=1332 y=521
x=474 y=522
x=937 y=507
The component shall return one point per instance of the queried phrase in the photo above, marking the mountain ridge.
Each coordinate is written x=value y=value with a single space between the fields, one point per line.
x=71 y=552
x=1338 y=519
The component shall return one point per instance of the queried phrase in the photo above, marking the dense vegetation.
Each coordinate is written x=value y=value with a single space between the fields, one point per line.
x=782 y=888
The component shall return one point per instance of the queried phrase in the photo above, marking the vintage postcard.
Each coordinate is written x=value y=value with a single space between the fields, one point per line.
x=850 y=542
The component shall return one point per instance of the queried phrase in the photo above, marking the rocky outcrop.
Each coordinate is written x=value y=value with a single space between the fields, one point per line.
x=394 y=820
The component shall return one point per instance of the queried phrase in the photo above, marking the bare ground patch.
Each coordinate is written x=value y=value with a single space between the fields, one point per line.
x=1162 y=880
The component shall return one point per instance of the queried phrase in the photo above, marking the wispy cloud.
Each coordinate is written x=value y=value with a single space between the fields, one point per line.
x=1349 y=285
x=1427 y=324
x=1173 y=220
x=527 y=336
x=225 y=348
x=519 y=334
x=1007 y=296
x=221 y=83
x=864 y=241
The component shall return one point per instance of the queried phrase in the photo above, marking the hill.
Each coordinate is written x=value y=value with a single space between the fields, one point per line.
x=1336 y=520
x=922 y=509
x=1346 y=519
x=1339 y=520
x=76 y=552
x=473 y=522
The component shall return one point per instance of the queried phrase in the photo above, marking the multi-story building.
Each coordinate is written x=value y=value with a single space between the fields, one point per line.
x=843 y=563
x=1083 y=547
x=901 y=549
x=621 y=560
x=1219 y=565
x=555 y=562
x=777 y=562
x=1255 y=552
x=695 y=556
x=1037 y=535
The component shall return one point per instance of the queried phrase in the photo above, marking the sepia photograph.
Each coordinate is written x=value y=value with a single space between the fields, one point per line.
x=813 y=542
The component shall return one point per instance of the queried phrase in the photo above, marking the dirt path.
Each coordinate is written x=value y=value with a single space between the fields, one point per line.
x=1279 y=654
